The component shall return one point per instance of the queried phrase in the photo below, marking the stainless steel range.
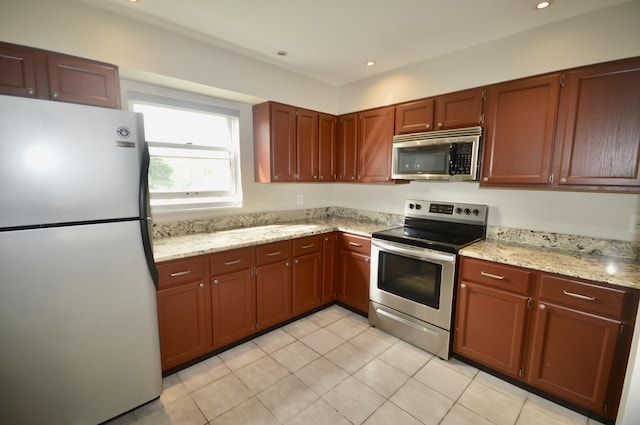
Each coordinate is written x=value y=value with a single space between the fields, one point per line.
x=413 y=271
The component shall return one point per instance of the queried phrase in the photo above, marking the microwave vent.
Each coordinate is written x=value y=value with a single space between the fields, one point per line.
x=441 y=134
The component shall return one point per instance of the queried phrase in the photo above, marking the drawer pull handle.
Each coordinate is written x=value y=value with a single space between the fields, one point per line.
x=271 y=254
x=307 y=246
x=492 y=276
x=231 y=263
x=176 y=274
x=578 y=296
x=355 y=244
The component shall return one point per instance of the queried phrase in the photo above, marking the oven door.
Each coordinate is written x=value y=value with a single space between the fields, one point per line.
x=416 y=281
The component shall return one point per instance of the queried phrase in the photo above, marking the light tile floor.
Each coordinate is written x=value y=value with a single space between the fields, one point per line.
x=333 y=368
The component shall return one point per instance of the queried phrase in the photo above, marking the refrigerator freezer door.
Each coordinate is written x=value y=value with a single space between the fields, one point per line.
x=78 y=324
x=61 y=162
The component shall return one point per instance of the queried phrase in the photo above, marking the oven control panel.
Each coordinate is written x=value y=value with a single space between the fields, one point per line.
x=446 y=211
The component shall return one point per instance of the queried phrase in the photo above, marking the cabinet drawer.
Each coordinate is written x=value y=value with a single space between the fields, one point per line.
x=584 y=296
x=179 y=271
x=273 y=252
x=356 y=243
x=497 y=275
x=307 y=245
x=230 y=261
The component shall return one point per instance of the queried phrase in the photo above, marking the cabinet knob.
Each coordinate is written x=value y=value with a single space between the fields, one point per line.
x=55 y=95
x=366 y=260
x=439 y=124
x=353 y=177
x=542 y=307
x=563 y=180
x=321 y=177
x=428 y=125
x=202 y=284
x=287 y=264
x=463 y=285
x=296 y=261
x=315 y=177
x=485 y=179
x=215 y=281
x=30 y=91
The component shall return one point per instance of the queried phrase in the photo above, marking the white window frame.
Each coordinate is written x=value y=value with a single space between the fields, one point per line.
x=194 y=201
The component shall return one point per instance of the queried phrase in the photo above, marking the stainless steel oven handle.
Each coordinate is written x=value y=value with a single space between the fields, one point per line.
x=421 y=253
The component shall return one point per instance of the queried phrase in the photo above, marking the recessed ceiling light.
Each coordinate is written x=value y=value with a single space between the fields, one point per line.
x=282 y=53
x=370 y=63
x=543 y=4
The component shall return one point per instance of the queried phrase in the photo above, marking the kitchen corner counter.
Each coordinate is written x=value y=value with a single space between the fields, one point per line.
x=617 y=271
x=176 y=247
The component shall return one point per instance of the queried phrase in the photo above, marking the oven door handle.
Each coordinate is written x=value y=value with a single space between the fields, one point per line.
x=419 y=253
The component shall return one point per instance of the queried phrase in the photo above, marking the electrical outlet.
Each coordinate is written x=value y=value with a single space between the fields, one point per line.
x=301 y=200
x=634 y=224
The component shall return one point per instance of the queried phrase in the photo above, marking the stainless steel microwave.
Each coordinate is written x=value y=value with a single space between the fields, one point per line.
x=438 y=155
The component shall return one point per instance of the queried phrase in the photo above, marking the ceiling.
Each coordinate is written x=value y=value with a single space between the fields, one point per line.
x=330 y=40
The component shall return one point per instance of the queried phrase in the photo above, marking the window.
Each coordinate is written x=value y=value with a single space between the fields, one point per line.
x=194 y=150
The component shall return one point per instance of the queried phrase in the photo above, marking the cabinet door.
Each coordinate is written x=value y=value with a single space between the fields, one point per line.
x=283 y=143
x=347 y=147
x=520 y=124
x=184 y=324
x=327 y=147
x=601 y=126
x=375 y=138
x=459 y=109
x=354 y=280
x=78 y=80
x=233 y=306
x=572 y=355
x=306 y=145
x=18 y=71
x=273 y=290
x=329 y=267
x=490 y=326
x=414 y=117
x=306 y=283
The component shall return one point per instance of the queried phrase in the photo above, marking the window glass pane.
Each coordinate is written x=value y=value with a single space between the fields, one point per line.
x=189 y=174
x=163 y=124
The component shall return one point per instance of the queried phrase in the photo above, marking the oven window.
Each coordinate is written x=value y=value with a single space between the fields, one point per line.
x=411 y=279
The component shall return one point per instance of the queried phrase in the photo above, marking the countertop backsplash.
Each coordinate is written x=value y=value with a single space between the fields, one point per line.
x=566 y=242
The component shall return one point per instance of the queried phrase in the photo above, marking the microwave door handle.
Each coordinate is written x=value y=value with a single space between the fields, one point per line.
x=452 y=157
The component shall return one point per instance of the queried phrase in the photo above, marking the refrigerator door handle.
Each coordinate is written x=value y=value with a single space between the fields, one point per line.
x=146 y=225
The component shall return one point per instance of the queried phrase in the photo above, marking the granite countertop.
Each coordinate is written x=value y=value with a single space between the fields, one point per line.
x=176 y=247
x=618 y=271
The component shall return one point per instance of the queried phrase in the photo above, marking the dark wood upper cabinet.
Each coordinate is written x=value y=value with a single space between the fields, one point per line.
x=452 y=110
x=308 y=162
x=46 y=75
x=287 y=143
x=600 y=127
x=519 y=131
x=414 y=117
x=375 y=137
x=327 y=147
x=347 y=148
x=459 y=109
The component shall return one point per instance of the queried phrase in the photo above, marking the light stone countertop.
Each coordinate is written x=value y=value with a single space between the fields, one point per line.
x=176 y=247
x=618 y=271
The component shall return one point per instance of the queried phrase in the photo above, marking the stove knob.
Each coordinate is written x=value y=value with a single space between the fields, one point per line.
x=458 y=210
x=411 y=206
x=418 y=206
x=467 y=211
x=476 y=212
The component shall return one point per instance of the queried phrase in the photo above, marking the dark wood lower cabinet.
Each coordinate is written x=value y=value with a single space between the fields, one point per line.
x=354 y=280
x=184 y=324
x=573 y=354
x=233 y=307
x=490 y=326
x=567 y=337
x=307 y=283
x=273 y=293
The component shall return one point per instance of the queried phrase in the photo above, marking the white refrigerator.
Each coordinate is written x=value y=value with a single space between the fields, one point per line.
x=78 y=323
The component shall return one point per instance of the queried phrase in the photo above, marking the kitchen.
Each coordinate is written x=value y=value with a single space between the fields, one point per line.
x=141 y=51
